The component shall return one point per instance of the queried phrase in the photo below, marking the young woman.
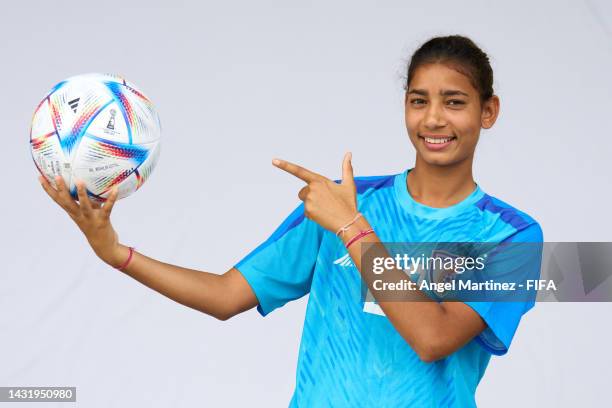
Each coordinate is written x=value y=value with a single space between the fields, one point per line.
x=355 y=353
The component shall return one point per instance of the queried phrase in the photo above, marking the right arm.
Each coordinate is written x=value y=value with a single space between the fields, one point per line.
x=220 y=296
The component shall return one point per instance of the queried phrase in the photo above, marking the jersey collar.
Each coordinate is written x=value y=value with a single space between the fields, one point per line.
x=423 y=211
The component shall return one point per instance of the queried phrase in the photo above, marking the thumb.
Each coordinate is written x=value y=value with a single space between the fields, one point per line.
x=347 y=170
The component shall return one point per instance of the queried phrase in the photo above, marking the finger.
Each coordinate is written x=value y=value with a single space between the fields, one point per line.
x=62 y=189
x=298 y=171
x=96 y=205
x=84 y=202
x=303 y=193
x=64 y=198
x=110 y=202
x=347 y=169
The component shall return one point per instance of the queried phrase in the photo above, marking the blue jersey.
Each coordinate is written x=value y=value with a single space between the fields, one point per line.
x=350 y=354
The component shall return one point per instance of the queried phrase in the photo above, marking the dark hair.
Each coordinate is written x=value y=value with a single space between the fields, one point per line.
x=459 y=53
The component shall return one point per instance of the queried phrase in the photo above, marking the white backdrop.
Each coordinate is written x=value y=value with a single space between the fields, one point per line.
x=236 y=84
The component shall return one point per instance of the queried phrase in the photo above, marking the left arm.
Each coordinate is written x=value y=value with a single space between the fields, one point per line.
x=433 y=330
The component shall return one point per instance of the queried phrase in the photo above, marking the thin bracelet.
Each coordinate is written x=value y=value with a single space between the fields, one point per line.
x=126 y=263
x=343 y=229
x=358 y=237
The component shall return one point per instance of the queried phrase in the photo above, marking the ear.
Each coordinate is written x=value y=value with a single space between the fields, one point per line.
x=489 y=112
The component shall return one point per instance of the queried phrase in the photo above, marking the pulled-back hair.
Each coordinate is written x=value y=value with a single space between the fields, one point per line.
x=459 y=53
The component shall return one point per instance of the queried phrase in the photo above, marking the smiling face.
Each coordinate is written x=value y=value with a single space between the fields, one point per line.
x=444 y=115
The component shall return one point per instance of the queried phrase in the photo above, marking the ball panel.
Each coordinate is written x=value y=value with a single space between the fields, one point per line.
x=42 y=125
x=147 y=167
x=110 y=124
x=103 y=164
x=73 y=107
x=144 y=120
x=49 y=158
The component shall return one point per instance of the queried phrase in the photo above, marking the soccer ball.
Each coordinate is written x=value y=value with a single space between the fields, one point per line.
x=97 y=128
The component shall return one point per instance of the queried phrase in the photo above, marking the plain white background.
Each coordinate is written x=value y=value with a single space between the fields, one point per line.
x=236 y=84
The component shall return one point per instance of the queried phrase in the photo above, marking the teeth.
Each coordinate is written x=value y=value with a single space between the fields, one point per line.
x=438 y=140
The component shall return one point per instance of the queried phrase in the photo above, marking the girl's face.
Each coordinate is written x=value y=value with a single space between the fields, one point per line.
x=444 y=115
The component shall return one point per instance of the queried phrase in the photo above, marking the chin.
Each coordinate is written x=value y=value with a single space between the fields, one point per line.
x=441 y=160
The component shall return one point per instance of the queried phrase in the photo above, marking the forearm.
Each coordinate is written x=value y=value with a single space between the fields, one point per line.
x=220 y=296
x=418 y=319
x=203 y=291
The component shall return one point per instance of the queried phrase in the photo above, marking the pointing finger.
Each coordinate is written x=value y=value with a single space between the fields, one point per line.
x=298 y=171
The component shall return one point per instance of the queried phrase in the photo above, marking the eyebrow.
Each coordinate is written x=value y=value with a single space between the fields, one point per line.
x=443 y=92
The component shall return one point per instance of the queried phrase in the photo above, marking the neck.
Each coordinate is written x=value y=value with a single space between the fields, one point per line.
x=440 y=186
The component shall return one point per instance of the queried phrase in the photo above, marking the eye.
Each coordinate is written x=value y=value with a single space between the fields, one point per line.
x=417 y=101
x=456 y=102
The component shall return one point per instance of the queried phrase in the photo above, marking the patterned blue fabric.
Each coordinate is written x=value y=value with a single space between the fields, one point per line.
x=350 y=354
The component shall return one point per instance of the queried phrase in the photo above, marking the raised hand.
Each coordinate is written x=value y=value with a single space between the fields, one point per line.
x=329 y=204
x=92 y=218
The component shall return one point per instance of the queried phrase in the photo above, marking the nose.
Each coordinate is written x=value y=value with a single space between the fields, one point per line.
x=434 y=117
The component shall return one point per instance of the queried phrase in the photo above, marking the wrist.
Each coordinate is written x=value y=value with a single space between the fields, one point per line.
x=360 y=225
x=351 y=217
x=125 y=264
x=116 y=256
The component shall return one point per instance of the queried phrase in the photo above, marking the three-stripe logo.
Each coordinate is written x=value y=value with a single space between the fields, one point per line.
x=74 y=104
x=344 y=261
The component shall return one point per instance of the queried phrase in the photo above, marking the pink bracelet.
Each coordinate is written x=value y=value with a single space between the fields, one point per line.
x=358 y=237
x=343 y=229
x=126 y=263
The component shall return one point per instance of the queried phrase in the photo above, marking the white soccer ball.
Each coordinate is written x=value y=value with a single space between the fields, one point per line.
x=96 y=128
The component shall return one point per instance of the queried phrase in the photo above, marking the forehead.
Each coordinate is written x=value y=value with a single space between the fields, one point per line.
x=435 y=77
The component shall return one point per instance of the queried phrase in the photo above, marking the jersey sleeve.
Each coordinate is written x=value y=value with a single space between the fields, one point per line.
x=281 y=268
x=503 y=317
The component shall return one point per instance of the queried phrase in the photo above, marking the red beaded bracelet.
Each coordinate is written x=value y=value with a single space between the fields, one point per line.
x=358 y=237
x=125 y=264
